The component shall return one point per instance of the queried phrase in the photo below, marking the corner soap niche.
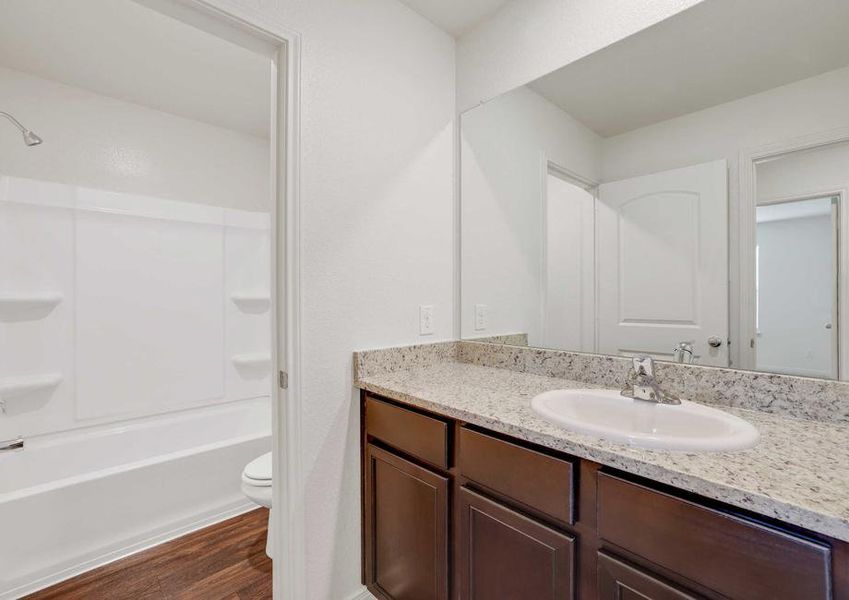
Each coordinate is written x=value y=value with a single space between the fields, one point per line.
x=252 y=303
x=27 y=307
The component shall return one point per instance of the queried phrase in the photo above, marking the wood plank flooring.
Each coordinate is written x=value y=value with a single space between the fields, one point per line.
x=226 y=561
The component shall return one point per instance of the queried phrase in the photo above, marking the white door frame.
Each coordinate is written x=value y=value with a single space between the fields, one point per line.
x=743 y=339
x=287 y=491
x=547 y=167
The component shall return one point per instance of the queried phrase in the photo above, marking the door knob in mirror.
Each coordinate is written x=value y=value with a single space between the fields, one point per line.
x=714 y=341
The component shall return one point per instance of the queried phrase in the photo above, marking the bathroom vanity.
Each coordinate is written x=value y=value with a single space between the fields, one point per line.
x=466 y=494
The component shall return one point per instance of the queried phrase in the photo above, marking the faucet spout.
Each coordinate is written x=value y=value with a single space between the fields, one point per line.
x=642 y=385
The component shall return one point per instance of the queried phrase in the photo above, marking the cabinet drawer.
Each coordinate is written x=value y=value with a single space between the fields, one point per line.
x=505 y=554
x=534 y=479
x=417 y=434
x=737 y=558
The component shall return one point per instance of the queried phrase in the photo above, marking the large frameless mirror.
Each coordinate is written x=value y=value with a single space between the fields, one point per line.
x=678 y=194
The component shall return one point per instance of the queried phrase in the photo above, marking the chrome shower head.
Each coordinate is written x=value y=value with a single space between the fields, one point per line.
x=30 y=138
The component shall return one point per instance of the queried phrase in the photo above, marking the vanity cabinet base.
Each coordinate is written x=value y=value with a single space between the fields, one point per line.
x=440 y=524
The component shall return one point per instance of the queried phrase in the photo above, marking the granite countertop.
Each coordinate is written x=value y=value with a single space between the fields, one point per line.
x=797 y=473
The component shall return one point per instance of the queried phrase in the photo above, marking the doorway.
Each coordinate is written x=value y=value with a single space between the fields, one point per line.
x=176 y=251
x=568 y=294
x=796 y=320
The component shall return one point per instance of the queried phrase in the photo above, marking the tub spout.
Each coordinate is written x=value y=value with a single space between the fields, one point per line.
x=9 y=445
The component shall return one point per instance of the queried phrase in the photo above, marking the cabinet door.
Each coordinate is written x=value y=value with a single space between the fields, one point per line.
x=505 y=555
x=406 y=528
x=620 y=581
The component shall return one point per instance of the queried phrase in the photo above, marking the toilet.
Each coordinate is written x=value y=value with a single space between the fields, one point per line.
x=256 y=485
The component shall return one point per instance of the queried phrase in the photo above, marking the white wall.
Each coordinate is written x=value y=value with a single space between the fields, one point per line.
x=504 y=143
x=526 y=39
x=377 y=111
x=811 y=105
x=99 y=142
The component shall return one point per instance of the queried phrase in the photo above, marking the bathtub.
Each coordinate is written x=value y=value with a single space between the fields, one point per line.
x=73 y=501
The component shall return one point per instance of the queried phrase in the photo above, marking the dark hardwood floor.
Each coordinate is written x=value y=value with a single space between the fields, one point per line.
x=225 y=561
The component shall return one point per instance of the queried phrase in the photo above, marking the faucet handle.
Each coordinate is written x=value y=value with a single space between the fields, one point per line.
x=643 y=365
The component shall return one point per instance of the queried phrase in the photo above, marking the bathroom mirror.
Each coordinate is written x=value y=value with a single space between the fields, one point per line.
x=681 y=193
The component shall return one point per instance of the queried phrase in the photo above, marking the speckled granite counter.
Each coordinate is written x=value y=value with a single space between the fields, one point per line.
x=798 y=472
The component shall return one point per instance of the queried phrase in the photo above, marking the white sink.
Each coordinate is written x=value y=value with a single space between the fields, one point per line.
x=609 y=415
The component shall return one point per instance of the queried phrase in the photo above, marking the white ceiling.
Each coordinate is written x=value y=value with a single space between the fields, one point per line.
x=455 y=16
x=121 y=49
x=714 y=52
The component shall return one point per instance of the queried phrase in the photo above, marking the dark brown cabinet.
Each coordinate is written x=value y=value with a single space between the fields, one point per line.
x=747 y=559
x=406 y=528
x=453 y=511
x=620 y=581
x=505 y=555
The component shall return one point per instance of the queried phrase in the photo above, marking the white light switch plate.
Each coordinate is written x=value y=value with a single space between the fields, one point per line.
x=481 y=317
x=426 y=319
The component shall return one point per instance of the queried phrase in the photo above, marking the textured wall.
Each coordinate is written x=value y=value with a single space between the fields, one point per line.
x=100 y=142
x=377 y=110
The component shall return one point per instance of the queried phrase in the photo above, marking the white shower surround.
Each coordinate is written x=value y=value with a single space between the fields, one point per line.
x=140 y=374
x=150 y=317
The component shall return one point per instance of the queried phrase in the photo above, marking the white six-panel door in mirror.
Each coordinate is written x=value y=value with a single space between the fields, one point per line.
x=662 y=263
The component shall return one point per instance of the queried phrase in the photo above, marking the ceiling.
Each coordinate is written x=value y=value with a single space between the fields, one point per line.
x=714 y=52
x=455 y=16
x=121 y=49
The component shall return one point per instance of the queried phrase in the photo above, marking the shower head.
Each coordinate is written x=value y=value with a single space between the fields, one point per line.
x=30 y=138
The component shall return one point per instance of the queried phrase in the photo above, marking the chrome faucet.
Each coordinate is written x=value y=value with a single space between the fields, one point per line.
x=642 y=385
x=684 y=353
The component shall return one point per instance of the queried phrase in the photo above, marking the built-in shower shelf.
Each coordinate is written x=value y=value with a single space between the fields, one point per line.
x=253 y=361
x=252 y=303
x=36 y=305
x=14 y=387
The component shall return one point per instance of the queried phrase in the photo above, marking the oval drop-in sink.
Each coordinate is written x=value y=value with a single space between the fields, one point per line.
x=609 y=415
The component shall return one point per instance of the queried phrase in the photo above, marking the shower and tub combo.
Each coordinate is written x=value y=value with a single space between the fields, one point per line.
x=135 y=358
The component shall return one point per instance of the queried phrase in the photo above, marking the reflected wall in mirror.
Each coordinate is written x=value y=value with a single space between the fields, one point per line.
x=679 y=194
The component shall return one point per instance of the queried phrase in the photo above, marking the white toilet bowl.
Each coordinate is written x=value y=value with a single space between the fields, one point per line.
x=256 y=485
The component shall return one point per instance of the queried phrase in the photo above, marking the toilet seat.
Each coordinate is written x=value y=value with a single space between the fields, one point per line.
x=258 y=472
x=256 y=485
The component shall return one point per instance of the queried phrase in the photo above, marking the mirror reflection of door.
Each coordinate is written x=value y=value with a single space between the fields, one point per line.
x=796 y=287
x=662 y=267
x=568 y=265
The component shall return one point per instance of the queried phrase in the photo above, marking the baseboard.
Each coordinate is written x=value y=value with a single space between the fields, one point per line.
x=363 y=594
x=179 y=529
